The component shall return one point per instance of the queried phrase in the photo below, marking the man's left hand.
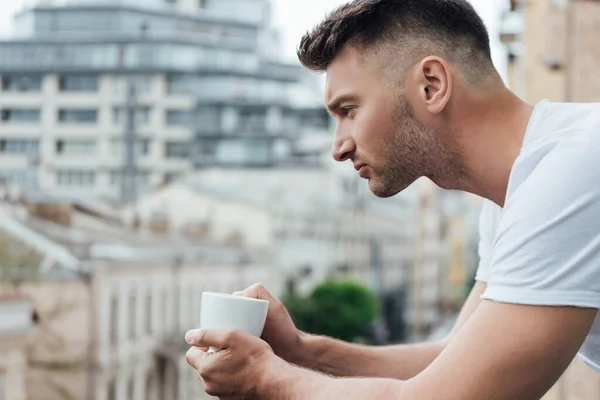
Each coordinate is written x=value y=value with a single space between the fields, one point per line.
x=237 y=369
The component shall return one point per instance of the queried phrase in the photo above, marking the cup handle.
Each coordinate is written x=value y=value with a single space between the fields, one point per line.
x=212 y=350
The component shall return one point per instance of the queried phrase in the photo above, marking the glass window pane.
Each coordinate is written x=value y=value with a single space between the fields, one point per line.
x=177 y=149
x=22 y=83
x=81 y=178
x=21 y=115
x=19 y=146
x=78 y=116
x=78 y=84
x=143 y=147
x=142 y=115
x=76 y=147
x=179 y=117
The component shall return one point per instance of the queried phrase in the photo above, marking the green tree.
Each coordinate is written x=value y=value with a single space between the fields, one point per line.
x=342 y=309
x=18 y=263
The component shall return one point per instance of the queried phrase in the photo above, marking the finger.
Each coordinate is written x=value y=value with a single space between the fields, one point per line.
x=204 y=338
x=256 y=291
x=195 y=357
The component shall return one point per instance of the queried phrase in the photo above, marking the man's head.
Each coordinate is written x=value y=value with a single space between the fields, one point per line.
x=395 y=69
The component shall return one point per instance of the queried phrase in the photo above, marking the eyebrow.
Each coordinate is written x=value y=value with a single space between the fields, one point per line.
x=334 y=105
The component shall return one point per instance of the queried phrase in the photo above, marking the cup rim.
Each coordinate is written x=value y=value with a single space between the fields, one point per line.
x=231 y=296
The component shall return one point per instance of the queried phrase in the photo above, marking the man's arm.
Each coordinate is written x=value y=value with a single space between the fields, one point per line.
x=504 y=351
x=402 y=361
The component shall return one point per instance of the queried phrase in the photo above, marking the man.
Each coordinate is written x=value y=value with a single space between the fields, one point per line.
x=414 y=93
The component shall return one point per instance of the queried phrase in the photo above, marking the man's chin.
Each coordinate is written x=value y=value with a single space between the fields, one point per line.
x=383 y=191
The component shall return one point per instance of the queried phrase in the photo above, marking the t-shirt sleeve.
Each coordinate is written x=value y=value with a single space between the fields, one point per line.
x=487 y=232
x=547 y=246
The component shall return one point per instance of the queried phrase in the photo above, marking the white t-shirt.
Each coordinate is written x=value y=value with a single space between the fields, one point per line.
x=543 y=246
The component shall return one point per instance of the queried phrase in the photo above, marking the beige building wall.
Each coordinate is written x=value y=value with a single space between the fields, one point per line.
x=561 y=52
x=13 y=368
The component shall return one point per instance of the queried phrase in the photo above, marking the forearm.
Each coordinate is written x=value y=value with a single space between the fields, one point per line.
x=341 y=359
x=293 y=383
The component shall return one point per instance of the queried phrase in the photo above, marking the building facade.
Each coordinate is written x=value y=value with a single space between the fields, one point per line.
x=105 y=99
x=112 y=306
x=556 y=60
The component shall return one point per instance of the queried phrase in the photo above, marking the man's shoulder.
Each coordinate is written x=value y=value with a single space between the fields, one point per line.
x=562 y=118
x=565 y=143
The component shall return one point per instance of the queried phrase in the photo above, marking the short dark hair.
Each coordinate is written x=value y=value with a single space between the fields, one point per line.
x=450 y=28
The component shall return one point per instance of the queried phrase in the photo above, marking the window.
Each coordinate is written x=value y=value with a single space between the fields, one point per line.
x=21 y=115
x=208 y=120
x=252 y=119
x=143 y=84
x=20 y=146
x=80 y=178
x=149 y=312
x=112 y=390
x=163 y=306
x=132 y=316
x=143 y=147
x=208 y=148
x=25 y=178
x=179 y=117
x=142 y=115
x=78 y=84
x=180 y=84
x=22 y=83
x=76 y=147
x=177 y=149
x=131 y=389
x=82 y=116
x=143 y=178
x=114 y=320
x=318 y=118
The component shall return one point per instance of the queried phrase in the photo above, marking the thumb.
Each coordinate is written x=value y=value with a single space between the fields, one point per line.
x=207 y=338
x=256 y=291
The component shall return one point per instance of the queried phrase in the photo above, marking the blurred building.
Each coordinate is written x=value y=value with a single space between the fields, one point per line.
x=16 y=325
x=112 y=303
x=93 y=91
x=557 y=59
x=319 y=223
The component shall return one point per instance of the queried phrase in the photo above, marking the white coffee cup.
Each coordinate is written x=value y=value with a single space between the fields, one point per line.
x=226 y=311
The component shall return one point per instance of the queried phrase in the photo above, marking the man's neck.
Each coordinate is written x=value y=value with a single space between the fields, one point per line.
x=492 y=129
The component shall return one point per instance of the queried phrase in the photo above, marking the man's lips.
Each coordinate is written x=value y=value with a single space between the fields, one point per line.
x=359 y=166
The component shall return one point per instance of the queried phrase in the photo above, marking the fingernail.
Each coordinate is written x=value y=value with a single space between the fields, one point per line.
x=189 y=337
x=238 y=293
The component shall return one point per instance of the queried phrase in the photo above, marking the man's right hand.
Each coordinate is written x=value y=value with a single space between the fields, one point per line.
x=280 y=332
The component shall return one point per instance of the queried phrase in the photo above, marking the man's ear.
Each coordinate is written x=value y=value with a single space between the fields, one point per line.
x=433 y=83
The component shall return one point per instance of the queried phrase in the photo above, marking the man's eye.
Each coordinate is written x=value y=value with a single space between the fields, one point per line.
x=346 y=111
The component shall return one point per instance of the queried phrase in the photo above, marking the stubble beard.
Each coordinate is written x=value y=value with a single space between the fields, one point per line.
x=412 y=150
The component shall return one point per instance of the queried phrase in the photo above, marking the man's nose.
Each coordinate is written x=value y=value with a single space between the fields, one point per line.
x=343 y=146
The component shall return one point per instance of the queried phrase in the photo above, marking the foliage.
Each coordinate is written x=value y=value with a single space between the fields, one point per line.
x=341 y=309
x=18 y=263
